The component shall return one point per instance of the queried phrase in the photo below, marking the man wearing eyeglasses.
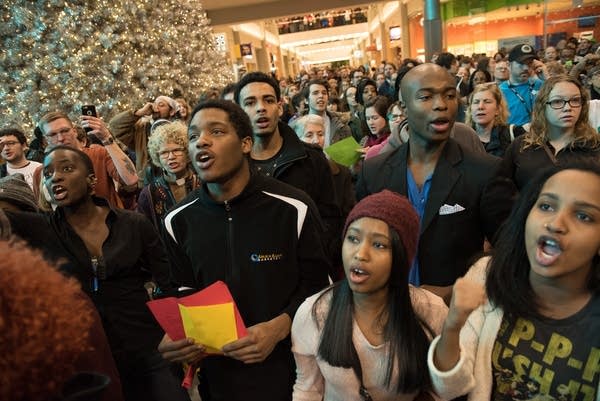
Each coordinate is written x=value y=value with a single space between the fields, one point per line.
x=520 y=90
x=13 y=144
x=111 y=164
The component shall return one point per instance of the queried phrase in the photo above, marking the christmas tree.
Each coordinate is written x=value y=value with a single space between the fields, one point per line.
x=116 y=54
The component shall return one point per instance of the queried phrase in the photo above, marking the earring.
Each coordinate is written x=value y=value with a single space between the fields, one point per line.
x=92 y=185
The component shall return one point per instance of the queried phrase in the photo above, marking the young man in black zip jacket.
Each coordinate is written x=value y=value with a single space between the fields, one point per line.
x=277 y=152
x=258 y=235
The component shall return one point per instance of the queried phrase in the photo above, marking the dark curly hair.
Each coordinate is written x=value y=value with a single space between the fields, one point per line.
x=237 y=117
x=256 y=77
x=361 y=87
x=45 y=324
x=16 y=132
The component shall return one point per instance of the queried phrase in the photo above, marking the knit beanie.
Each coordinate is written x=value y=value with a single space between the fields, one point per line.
x=169 y=100
x=396 y=211
x=15 y=190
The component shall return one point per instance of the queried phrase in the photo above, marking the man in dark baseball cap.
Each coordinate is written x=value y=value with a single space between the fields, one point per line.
x=521 y=88
x=522 y=54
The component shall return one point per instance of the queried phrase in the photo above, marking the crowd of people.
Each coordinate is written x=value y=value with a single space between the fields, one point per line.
x=459 y=256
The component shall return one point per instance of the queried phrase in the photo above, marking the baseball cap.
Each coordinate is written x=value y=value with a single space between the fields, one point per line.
x=522 y=53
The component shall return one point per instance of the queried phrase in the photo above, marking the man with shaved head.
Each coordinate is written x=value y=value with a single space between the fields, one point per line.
x=445 y=182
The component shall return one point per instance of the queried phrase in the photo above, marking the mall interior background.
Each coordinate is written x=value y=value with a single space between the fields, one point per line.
x=290 y=37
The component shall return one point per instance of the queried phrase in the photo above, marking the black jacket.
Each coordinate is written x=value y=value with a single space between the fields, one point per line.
x=521 y=165
x=264 y=244
x=133 y=254
x=500 y=139
x=305 y=167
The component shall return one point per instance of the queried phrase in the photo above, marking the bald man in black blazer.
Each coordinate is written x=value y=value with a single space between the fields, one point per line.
x=448 y=185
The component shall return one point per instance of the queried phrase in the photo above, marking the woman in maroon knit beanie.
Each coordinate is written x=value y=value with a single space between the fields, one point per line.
x=366 y=337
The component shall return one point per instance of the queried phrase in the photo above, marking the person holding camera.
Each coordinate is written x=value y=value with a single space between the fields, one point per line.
x=110 y=163
x=133 y=128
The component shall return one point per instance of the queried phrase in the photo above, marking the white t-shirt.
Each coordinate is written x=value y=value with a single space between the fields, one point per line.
x=328 y=130
x=27 y=171
x=595 y=114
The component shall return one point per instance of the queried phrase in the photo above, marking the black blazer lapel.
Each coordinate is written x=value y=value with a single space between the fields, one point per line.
x=387 y=171
x=444 y=178
x=395 y=171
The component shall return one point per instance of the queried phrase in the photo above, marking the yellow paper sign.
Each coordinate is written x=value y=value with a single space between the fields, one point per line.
x=212 y=326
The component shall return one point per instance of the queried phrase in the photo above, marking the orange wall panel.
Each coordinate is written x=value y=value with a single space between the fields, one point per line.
x=506 y=28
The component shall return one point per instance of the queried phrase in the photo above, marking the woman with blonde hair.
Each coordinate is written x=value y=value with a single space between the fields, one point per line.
x=559 y=133
x=168 y=149
x=487 y=114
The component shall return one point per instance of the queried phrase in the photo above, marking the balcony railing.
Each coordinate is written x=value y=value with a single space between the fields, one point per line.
x=328 y=19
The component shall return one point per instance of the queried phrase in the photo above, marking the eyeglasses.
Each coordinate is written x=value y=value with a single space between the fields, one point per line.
x=63 y=132
x=9 y=143
x=558 y=104
x=394 y=117
x=486 y=85
x=164 y=154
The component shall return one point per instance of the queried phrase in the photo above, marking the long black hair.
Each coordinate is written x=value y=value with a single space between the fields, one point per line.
x=403 y=330
x=507 y=283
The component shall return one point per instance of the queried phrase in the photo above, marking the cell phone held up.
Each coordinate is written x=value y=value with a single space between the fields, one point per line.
x=88 y=110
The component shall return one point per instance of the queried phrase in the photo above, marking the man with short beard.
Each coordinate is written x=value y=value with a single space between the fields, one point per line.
x=521 y=88
x=356 y=76
x=110 y=163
